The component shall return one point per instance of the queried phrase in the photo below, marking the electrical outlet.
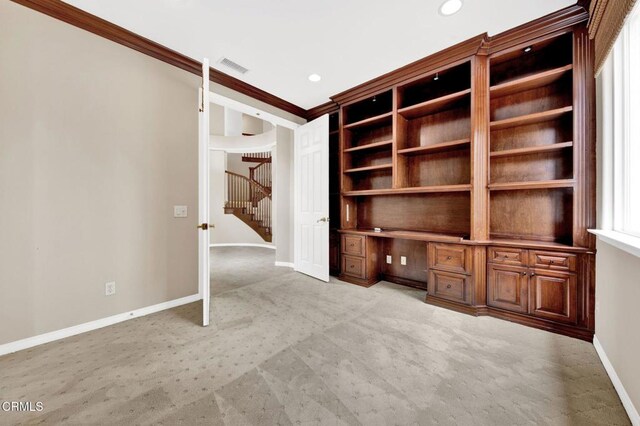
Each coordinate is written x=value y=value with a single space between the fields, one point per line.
x=110 y=288
x=389 y=259
x=403 y=260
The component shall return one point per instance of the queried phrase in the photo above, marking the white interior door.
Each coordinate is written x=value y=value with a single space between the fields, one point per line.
x=203 y=194
x=311 y=180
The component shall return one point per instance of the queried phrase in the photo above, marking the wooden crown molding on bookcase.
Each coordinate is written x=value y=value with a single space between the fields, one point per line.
x=100 y=27
x=326 y=108
x=563 y=19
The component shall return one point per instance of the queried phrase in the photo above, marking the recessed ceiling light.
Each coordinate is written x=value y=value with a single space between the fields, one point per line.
x=449 y=7
x=315 y=78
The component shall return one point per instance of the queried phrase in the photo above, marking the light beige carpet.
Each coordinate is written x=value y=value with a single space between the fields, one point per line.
x=286 y=349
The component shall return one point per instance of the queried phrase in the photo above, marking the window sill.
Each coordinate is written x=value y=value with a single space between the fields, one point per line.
x=625 y=242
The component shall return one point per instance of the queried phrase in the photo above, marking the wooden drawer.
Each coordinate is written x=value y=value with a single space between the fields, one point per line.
x=354 y=266
x=450 y=257
x=507 y=255
x=508 y=287
x=353 y=244
x=552 y=260
x=449 y=286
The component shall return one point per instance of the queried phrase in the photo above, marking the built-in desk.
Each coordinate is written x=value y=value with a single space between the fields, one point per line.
x=410 y=258
x=406 y=235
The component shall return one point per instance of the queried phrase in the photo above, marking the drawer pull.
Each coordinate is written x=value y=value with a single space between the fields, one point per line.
x=448 y=257
x=351 y=266
x=524 y=274
x=551 y=262
x=533 y=274
x=351 y=245
x=448 y=285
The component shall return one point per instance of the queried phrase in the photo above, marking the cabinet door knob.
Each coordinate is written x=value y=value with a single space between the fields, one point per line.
x=551 y=262
x=524 y=274
x=533 y=274
x=448 y=257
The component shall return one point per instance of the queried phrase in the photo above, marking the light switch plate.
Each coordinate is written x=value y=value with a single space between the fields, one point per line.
x=389 y=259
x=180 y=211
x=403 y=260
x=110 y=288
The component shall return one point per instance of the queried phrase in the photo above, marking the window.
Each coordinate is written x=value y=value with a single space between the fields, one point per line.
x=620 y=134
x=631 y=145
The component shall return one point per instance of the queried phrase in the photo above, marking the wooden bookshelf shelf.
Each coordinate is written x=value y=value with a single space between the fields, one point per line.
x=530 y=82
x=438 y=147
x=368 y=122
x=547 y=184
x=370 y=146
x=434 y=105
x=414 y=190
x=531 y=150
x=369 y=168
x=534 y=118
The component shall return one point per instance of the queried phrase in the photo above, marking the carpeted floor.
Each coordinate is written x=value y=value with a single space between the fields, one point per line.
x=286 y=349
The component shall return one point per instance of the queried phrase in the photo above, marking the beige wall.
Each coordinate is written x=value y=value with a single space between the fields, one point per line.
x=283 y=195
x=617 y=293
x=97 y=143
x=618 y=316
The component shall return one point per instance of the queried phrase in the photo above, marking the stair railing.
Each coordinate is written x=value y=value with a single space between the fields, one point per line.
x=261 y=174
x=257 y=156
x=243 y=193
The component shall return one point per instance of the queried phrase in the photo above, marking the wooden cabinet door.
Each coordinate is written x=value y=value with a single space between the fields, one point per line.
x=508 y=287
x=553 y=295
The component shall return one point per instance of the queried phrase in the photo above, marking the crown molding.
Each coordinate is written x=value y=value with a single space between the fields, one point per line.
x=562 y=20
x=325 y=108
x=481 y=44
x=79 y=18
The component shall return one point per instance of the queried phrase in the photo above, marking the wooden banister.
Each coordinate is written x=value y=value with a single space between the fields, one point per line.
x=249 y=200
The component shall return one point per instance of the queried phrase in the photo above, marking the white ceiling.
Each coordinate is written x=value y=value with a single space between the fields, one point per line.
x=281 y=42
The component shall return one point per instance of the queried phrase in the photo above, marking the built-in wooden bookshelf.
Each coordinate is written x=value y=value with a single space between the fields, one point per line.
x=475 y=168
x=531 y=107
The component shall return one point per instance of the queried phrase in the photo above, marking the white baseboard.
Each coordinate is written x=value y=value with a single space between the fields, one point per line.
x=285 y=264
x=269 y=246
x=632 y=412
x=30 y=342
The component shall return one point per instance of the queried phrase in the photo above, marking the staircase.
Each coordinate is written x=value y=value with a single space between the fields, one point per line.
x=249 y=198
